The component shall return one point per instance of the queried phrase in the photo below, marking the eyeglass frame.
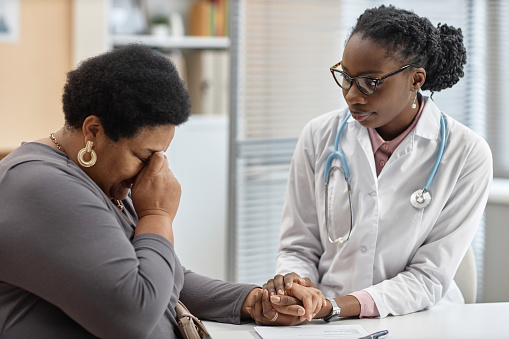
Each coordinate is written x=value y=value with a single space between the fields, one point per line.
x=377 y=80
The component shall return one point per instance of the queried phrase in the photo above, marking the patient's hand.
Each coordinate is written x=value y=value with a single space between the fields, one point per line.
x=287 y=311
x=293 y=285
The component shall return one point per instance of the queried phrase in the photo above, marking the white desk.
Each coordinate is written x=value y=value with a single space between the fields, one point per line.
x=476 y=321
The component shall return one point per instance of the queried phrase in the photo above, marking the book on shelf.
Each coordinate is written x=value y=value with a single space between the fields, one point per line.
x=209 y=18
x=179 y=60
x=208 y=81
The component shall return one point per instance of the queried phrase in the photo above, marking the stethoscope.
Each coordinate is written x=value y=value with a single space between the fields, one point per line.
x=419 y=199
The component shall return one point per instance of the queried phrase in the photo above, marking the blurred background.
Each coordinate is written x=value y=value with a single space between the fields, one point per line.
x=257 y=71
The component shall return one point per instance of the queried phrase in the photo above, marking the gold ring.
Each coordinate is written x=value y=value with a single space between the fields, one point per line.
x=275 y=317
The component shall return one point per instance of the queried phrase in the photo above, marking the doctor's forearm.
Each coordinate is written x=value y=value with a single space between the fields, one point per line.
x=350 y=307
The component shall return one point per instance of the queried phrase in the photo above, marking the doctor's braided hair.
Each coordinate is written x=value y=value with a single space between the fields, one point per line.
x=439 y=50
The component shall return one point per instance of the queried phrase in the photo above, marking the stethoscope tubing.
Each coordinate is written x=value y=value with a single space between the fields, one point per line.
x=336 y=154
x=443 y=140
x=346 y=172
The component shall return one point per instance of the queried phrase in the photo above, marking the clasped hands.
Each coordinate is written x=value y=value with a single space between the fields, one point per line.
x=288 y=300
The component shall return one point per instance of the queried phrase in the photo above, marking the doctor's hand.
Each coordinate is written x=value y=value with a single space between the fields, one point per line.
x=311 y=298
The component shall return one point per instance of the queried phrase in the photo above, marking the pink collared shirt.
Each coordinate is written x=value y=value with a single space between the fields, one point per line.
x=382 y=150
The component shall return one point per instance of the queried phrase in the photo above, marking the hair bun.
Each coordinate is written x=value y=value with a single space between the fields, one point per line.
x=448 y=61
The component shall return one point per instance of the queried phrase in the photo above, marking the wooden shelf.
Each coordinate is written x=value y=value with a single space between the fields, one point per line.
x=184 y=42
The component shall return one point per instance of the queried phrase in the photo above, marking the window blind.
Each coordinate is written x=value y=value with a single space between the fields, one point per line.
x=497 y=70
x=282 y=50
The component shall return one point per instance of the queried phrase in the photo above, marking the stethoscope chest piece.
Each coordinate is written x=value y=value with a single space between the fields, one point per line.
x=420 y=198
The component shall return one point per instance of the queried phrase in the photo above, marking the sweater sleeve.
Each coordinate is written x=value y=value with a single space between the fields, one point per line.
x=214 y=299
x=62 y=243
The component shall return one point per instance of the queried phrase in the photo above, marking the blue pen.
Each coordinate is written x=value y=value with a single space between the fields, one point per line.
x=376 y=335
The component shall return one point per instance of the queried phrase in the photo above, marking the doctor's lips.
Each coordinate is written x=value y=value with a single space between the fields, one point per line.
x=361 y=116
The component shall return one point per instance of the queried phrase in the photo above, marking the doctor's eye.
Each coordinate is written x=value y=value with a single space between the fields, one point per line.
x=369 y=84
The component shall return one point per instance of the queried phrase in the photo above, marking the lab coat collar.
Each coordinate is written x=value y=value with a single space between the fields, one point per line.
x=365 y=142
x=428 y=125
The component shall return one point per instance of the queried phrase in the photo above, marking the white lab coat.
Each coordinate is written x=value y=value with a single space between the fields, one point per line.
x=404 y=257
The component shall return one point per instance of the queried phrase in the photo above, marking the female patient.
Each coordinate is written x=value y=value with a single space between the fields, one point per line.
x=402 y=252
x=86 y=214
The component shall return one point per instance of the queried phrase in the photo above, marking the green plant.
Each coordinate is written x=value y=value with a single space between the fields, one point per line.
x=160 y=20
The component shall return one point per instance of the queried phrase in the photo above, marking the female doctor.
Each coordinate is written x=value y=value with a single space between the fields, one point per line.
x=419 y=180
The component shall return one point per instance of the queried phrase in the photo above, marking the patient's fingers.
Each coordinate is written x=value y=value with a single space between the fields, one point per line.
x=279 y=284
x=257 y=313
x=268 y=311
x=269 y=286
x=288 y=305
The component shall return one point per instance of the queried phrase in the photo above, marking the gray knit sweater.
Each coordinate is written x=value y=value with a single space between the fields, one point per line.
x=70 y=266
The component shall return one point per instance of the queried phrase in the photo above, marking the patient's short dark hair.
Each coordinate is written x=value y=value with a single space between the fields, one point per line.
x=128 y=88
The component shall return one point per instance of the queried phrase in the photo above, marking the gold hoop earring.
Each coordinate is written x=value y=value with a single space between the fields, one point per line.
x=93 y=156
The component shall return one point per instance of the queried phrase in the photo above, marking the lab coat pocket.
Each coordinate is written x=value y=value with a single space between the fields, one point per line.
x=415 y=225
x=404 y=230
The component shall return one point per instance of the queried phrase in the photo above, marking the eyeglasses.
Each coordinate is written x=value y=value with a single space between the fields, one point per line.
x=365 y=84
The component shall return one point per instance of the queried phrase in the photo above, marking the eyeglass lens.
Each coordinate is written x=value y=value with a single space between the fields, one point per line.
x=365 y=85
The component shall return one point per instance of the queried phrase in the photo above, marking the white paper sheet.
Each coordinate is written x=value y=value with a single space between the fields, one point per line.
x=310 y=331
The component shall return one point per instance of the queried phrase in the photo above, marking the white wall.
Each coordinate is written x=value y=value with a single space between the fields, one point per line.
x=496 y=252
x=90 y=29
x=198 y=157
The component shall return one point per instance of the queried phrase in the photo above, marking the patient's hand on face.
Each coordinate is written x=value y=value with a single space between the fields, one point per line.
x=287 y=300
